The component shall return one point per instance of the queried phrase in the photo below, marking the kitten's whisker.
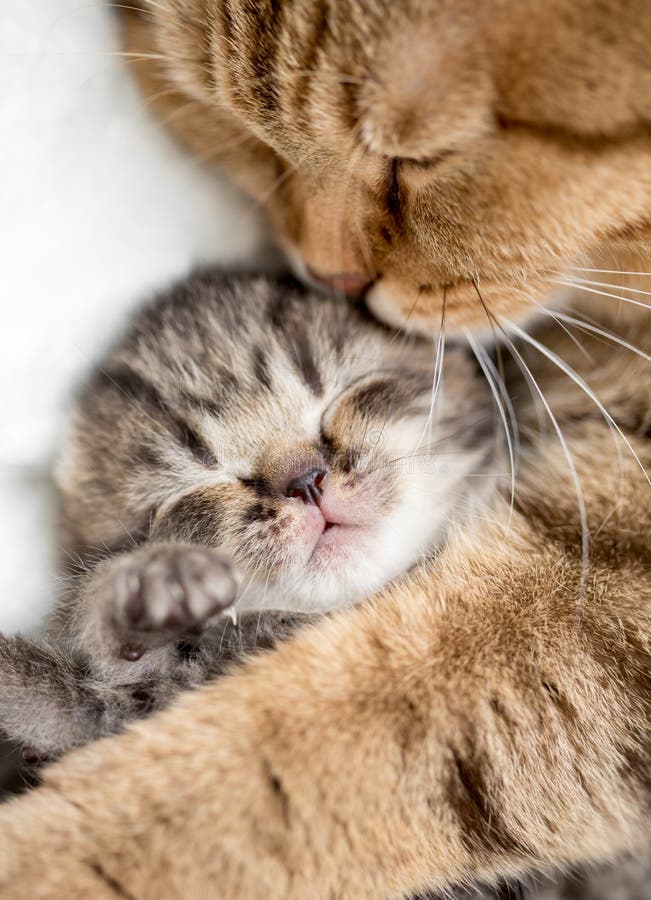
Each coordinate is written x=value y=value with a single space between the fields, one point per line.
x=426 y=450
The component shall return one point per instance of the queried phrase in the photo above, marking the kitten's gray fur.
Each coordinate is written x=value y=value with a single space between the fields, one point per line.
x=176 y=502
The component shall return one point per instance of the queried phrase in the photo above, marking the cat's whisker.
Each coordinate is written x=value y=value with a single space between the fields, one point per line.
x=221 y=150
x=576 y=378
x=137 y=56
x=601 y=332
x=259 y=202
x=540 y=413
x=156 y=12
x=437 y=377
x=608 y=284
x=159 y=95
x=607 y=271
x=178 y=111
x=554 y=315
x=492 y=377
x=582 y=287
x=574 y=474
x=159 y=6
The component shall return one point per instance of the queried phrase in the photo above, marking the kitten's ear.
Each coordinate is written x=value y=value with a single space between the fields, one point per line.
x=429 y=90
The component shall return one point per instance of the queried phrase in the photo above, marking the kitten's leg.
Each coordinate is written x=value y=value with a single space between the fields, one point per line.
x=51 y=703
x=134 y=608
x=46 y=703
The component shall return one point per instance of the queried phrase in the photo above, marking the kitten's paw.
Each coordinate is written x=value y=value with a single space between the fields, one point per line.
x=166 y=592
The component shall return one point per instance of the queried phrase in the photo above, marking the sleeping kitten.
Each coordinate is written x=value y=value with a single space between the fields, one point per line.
x=246 y=447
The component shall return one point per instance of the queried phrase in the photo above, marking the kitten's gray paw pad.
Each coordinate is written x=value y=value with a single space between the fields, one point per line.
x=175 y=590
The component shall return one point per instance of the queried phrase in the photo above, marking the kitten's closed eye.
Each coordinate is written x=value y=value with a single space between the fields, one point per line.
x=198 y=448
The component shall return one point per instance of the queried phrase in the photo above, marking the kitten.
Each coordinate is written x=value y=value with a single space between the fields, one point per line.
x=251 y=447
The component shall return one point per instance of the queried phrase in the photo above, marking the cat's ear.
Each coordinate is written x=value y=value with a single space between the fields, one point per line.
x=429 y=90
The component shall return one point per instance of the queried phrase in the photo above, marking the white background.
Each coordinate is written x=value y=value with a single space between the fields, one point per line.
x=98 y=206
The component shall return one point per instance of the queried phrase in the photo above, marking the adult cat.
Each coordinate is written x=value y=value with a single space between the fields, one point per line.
x=412 y=151
x=492 y=715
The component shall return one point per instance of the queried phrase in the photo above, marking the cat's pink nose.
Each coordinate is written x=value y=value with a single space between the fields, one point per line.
x=347 y=283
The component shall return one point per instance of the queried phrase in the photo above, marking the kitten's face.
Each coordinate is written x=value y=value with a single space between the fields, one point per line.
x=432 y=152
x=286 y=430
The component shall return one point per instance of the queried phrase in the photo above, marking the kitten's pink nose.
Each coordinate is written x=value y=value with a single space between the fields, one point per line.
x=307 y=486
x=347 y=283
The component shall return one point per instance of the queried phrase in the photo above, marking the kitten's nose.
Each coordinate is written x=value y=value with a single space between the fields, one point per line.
x=350 y=284
x=307 y=486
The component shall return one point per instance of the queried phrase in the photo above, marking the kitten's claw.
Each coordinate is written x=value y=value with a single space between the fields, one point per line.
x=169 y=590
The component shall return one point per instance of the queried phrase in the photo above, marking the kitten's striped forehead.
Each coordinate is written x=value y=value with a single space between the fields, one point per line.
x=247 y=362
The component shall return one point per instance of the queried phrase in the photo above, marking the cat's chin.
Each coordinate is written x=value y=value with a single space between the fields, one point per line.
x=458 y=307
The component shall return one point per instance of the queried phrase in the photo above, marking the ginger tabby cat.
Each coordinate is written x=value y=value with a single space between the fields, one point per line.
x=490 y=715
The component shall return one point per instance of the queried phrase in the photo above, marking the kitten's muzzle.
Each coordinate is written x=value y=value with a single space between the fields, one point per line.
x=307 y=486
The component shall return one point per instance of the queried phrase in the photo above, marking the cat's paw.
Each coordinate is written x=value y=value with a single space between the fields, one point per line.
x=162 y=593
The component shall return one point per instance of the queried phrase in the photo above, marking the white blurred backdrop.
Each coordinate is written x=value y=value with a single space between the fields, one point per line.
x=98 y=206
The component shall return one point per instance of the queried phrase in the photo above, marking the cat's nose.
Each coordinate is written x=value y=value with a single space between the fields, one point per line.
x=307 y=486
x=348 y=283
